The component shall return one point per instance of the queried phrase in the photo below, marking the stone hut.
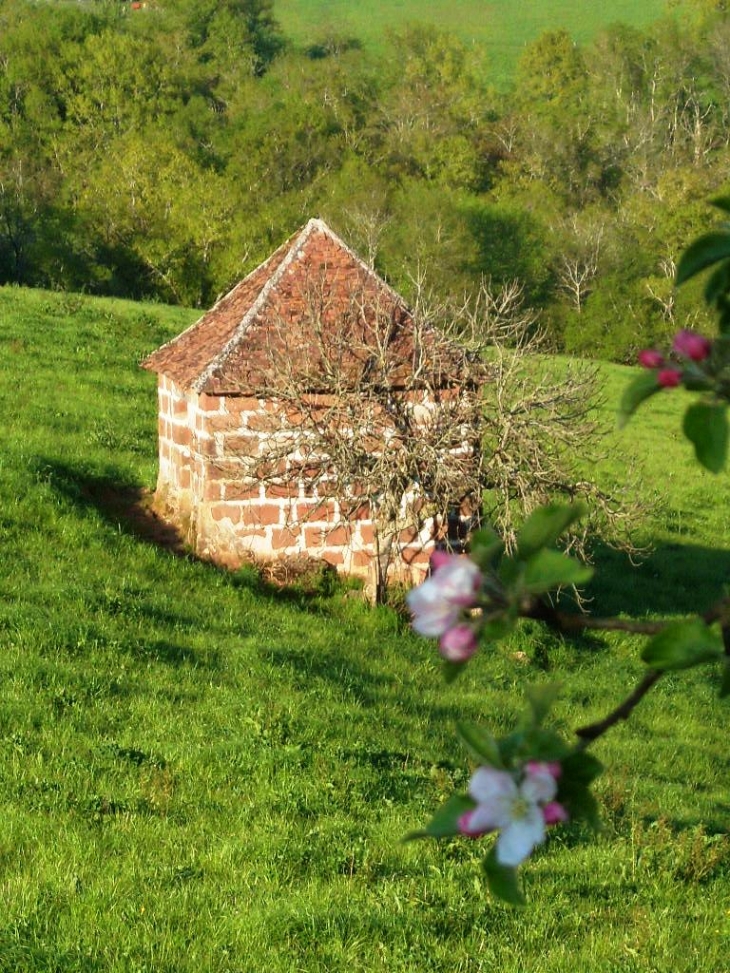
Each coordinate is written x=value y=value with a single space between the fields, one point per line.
x=221 y=408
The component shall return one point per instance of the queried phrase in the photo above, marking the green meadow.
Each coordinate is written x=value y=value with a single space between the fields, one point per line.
x=499 y=30
x=201 y=772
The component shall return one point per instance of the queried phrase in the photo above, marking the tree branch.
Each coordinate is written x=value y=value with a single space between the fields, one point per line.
x=588 y=734
x=570 y=624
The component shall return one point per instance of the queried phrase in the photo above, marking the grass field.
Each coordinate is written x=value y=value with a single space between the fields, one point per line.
x=500 y=30
x=201 y=773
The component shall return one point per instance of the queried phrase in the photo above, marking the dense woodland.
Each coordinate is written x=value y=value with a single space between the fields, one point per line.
x=163 y=152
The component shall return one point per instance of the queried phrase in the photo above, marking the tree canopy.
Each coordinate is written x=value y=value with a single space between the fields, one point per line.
x=162 y=152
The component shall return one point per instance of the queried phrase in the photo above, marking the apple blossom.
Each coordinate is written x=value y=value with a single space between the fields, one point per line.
x=691 y=345
x=439 y=559
x=669 y=378
x=552 y=767
x=433 y=615
x=438 y=604
x=458 y=578
x=515 y=805
x=554 y=813
x=458 y=643
x=650 y=358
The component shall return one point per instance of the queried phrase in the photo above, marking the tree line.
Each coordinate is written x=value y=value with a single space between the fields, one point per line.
x=163 y=152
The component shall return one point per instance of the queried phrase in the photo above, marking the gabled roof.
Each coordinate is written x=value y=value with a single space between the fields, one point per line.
x=311 y=307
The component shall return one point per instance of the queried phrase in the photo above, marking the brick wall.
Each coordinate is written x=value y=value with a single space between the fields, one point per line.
x=205 y=485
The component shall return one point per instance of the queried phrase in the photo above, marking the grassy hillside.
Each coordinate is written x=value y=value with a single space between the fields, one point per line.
x=199 y=773
x=501 y=30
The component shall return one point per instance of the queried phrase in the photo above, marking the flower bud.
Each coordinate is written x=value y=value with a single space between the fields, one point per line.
x=691 y=345
x=650 y=358
x=554 y=813
x=669 y=378
x=458 y=644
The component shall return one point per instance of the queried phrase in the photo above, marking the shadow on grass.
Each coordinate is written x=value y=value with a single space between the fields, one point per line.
x=128 y=507
x=370 y=687
x=123 y=504
x=176 y=655
x=675 y=579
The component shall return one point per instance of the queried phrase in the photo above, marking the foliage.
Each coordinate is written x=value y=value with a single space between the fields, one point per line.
x=165 y=151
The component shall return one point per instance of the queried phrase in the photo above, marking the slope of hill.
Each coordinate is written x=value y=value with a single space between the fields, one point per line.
x=502 y=30
x=199 y=772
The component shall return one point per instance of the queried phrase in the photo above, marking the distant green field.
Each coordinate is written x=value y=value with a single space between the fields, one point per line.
x=501 y=29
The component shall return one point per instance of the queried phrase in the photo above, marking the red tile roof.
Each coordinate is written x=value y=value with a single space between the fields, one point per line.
x=312 y=308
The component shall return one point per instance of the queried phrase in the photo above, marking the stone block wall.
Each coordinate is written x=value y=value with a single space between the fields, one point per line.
x=205 y=485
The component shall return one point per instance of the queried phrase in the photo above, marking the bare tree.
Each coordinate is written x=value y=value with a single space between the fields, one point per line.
x=579 y=261
x=404 y=415
x=539 y=425
x=661 y=289
x=376 y=410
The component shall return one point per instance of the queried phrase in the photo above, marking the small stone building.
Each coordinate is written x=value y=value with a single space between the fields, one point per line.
x=297 y=313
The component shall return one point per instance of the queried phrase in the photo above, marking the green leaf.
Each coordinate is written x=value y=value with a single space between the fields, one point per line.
x=722 y=202
x=502 y=880
x=484 y=547
x=718 y=283
x=445 y=821
x=705 y=425
x=551 y=569
x=541 y=744
x=694 y=381
x=723 y=309
x=482 y=745
x=512 y=748
x=643 y=387
x=496 y=629
x=581 y=767
x=579 y=802
x=707 y=250
x=683 y=645
x=510 y=570
x=541 y=699
x=725 y=683
x=545 y=525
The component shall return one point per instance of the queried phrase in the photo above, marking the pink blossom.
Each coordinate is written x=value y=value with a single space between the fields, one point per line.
x=691 y=345
x=458 y=579
x=650 y=358
x=458 y=643
x=466 y=827
x=552 y=767
x=439 y=558
x=438 y=603
x=520 y=804
x=554 y=813
x=669 y=378
x=512 y=806
x=433 y=615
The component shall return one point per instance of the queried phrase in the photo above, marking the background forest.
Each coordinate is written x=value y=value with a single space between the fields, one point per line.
x=163 y=152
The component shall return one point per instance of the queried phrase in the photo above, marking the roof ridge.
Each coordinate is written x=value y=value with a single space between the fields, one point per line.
x=298 y=240
x=397 y=298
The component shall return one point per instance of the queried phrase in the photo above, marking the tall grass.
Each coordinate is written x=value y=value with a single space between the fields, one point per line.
x=201 y=773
